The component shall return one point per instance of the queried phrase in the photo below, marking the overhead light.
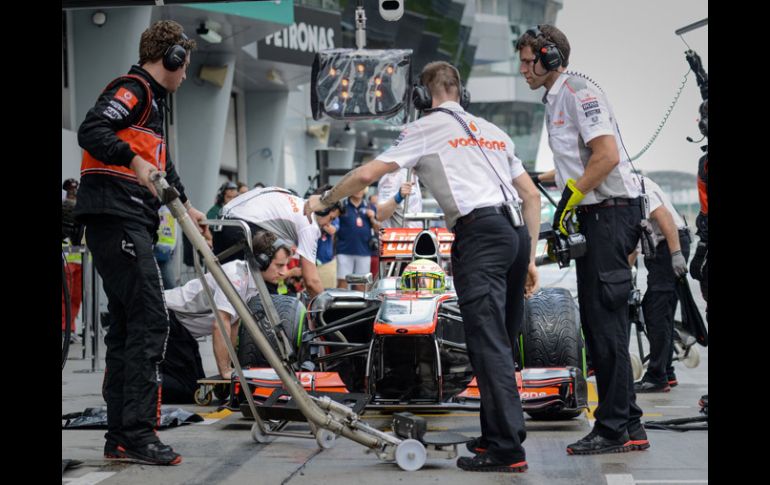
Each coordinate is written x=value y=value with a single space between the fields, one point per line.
x=275 y=77
x=207 y=33
x=99 y=18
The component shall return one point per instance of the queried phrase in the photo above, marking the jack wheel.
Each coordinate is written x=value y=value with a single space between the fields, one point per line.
x=411 y=455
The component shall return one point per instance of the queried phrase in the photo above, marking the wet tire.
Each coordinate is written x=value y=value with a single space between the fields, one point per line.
x=291 y=313
x=551 y=338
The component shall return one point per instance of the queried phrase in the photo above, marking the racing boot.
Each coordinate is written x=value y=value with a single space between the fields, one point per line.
x=594 y=444
x=637 y=437
x=484 y=462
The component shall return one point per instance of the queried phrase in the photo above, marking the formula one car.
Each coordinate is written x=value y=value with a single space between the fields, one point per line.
x=402 y=344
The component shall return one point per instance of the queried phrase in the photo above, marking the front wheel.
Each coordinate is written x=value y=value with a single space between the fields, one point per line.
x=291 y=312
x=551 y=337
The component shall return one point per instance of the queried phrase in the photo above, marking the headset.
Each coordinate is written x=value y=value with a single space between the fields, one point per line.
x=549 y=55
x=264 y=259
x=422 y=99
x=175 y=55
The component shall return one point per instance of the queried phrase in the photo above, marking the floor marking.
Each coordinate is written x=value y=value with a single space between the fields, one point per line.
x=88 y=479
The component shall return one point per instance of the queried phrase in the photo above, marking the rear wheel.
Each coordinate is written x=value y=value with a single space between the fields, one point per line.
x=291 y=313
x=551 y=338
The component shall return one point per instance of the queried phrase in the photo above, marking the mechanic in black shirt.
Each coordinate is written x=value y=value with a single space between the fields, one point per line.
x=124 y=144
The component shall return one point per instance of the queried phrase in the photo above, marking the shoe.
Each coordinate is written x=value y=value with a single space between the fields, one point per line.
x=594 y=444
x=477 y=445
x=150 y=454
x=672 y=381
x=486 y=463
x=646 y=387
x=637 y=438
x=114 y=451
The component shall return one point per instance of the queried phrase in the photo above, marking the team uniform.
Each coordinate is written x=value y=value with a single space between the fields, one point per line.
x=271 y=209
x=121 y=219
x=489 y=255
x=660 y=299
x=609 y=218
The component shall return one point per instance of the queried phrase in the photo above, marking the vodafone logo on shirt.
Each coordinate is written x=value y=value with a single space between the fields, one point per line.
x=126 y=97
x=483 y=142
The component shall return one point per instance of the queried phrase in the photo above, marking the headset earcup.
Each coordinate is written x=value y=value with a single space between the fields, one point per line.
x=421 y=97
x=465 y=98
x=263 y=260
x=174 y=57
x=550 y=57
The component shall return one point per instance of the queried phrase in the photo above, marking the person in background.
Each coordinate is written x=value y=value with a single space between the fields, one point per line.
x=325 y=256
x=357 y=222
x=72 y=235
x=227 y=192
x=242 y=187
x=165 y=247
x=672 y=248
x=374 y=242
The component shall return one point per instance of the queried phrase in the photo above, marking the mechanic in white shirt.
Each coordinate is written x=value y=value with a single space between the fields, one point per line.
x=595 y=176
x=276 y=210
x=672 y=249
x=392 y=190
x=469 y=165
x=189 y=306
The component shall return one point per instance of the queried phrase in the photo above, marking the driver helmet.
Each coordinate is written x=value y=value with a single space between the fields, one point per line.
x=423 y=274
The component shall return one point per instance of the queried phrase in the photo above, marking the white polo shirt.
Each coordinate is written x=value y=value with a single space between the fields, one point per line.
x=191 y=306
x=659 y=198
x=576 y=112
x=452 y=166
x=276 y=210
x=389 y=185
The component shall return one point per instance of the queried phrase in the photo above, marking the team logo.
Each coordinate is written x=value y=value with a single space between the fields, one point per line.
x=126 y=97
x=474 y=128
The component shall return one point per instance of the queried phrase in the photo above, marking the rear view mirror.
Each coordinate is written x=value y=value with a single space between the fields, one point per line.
x=360 y=279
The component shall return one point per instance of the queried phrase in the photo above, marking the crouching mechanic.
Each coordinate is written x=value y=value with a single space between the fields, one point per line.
x=277 y=210
x=672 y=248
x=192 y=317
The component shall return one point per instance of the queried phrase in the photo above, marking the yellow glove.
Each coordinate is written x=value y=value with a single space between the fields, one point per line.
x=570 y=198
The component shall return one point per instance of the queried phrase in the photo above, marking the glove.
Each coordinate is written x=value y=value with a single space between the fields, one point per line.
x=570 y=198
x=678 y=263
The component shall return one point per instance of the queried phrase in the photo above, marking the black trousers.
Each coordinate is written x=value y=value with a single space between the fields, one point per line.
x=228 y=236
x=604 y=284
x=136 y=339
x=489 y=259
x=182 y=365
x=659 y=304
